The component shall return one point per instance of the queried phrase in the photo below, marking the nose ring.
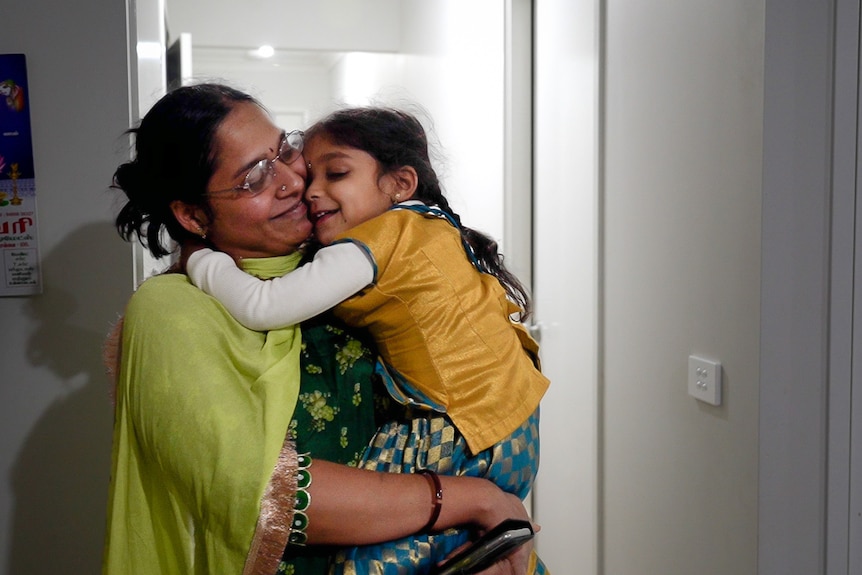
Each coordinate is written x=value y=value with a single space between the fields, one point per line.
x=284 y=187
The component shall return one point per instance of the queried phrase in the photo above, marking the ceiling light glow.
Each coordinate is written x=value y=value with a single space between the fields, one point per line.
x=265 y=51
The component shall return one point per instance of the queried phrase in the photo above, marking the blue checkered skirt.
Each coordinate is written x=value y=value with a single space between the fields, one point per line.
x=422 y=439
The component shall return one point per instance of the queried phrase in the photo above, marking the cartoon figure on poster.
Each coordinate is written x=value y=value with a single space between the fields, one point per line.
x=19 y=244
x=13 y=93
x=17 y=176
x=16 y=144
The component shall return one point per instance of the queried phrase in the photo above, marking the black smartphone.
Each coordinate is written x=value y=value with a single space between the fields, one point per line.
x=489 y=548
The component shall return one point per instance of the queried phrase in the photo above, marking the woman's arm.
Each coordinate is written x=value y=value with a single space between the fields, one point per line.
x=336 y=273
x=356 y=507
x=352 y=506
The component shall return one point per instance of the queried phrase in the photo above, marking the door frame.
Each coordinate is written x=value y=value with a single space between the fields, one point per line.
x=567 y=92
x=811 y=127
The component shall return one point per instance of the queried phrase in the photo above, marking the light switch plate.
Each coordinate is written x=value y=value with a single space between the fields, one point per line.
x=704 y=380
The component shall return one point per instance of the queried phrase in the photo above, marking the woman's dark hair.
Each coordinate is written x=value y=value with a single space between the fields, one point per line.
x=397 y=139
x=173 y=160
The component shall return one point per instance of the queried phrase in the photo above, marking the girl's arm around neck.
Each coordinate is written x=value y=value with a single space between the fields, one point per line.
x=336 y=273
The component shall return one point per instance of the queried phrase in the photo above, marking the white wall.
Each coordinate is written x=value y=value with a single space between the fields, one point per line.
x=294 y=84
x=445 y=57
x=648 y=250
x=458 y=85
x=333 y=25
x=55 y=419
x=681 y=216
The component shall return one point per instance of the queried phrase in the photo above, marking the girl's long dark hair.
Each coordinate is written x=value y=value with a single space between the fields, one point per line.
x=396 y=139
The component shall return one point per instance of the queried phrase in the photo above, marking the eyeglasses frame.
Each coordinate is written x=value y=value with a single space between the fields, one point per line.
x=269 y=165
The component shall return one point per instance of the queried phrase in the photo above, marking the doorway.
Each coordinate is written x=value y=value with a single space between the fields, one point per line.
x=470 y=66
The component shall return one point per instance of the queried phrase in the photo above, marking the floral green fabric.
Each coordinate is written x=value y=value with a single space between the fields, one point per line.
x=334 y=416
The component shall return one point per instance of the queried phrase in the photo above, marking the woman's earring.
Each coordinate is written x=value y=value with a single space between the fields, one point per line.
x=396 y=199
x=202 y=233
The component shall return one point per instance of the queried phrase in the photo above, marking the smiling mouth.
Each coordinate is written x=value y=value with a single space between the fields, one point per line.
x=297 y=208
x=317 y=216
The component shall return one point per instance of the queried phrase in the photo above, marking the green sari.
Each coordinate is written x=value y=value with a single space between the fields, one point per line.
x=202 y=410
x=205 y=411
x=334 y=416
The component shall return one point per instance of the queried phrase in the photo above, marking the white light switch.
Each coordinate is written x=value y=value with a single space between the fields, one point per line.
x=704 y=380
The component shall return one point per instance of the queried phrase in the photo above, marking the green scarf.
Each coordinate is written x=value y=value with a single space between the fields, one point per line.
x=203 y=407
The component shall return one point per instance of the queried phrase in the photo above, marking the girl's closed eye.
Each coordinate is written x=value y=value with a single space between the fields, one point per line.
x=336 y=175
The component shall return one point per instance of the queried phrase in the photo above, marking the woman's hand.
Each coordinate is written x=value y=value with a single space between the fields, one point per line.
x=506 y=506
x=516 y=563
x=349 y=504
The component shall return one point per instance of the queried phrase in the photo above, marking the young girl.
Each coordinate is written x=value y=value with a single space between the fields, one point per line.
x=437 y=300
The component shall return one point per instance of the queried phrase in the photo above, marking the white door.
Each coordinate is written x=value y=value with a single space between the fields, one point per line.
x=565 y=272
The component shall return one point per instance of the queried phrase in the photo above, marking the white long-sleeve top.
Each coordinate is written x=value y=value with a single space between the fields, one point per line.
x=336 y=273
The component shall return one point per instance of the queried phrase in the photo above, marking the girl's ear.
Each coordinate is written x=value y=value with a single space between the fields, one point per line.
x=190 y=217
x=406 y=181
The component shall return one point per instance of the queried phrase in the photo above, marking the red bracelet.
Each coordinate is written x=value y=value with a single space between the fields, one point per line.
x=436 y=497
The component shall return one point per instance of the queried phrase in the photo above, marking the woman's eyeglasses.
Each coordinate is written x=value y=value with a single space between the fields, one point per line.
x=260 y=175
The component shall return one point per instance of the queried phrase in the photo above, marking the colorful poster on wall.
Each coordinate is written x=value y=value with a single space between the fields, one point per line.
x=19 y=245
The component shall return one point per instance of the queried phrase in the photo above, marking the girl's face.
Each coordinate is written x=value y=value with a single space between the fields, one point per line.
x=271 y=223
x=344 y=187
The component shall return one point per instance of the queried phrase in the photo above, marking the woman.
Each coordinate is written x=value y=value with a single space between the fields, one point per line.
x=434 y=294
x=205 y=476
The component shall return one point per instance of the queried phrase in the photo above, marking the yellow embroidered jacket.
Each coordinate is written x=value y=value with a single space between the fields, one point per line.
x=445 y=326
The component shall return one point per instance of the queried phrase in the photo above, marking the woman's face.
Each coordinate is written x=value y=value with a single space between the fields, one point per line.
x=345 y=188
x=271 y=223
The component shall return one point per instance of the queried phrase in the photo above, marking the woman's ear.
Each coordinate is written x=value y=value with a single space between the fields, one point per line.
x=190 y=217
x=406 y=181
